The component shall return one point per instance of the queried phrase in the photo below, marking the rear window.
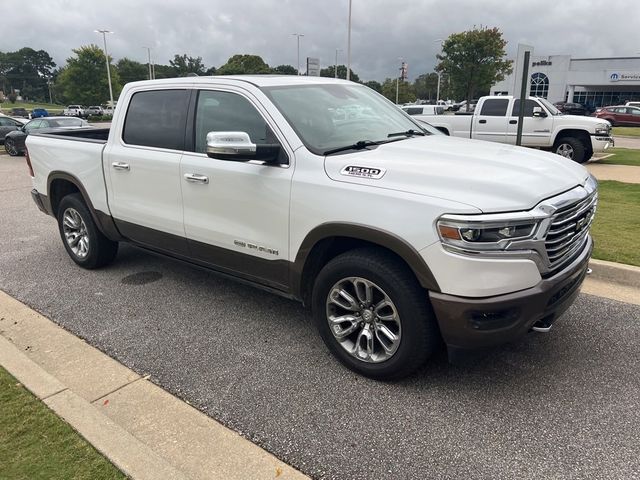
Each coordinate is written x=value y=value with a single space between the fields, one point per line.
x=157 y=119
x=495 y=107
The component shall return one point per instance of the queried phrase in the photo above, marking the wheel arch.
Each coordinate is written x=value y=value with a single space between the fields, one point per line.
x=331 y=239
x=576 y=133
x=61 y=184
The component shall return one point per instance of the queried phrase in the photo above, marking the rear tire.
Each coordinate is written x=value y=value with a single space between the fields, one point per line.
x=10 y=147
x=389 y=329
x=571 y=148
x=83 y=241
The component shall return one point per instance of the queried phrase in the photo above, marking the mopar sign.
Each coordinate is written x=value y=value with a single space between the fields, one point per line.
x=624 y=76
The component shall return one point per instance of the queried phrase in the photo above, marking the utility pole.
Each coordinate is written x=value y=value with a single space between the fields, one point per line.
x=106 y=54
x=401 y=74
x=438 y=94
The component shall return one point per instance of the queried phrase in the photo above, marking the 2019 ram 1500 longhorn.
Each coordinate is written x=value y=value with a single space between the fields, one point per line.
x=395 y=237
x=495 y=119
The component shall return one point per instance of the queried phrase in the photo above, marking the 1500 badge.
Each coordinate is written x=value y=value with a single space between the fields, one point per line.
x=363 y=172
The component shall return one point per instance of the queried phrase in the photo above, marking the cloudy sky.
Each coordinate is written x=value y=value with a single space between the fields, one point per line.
x=382 y=30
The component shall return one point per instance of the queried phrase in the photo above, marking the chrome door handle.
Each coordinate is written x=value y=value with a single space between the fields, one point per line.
x=120 y=166
x=196 y=178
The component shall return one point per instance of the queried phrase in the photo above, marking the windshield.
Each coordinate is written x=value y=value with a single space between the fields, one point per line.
x=549 y=106
x=332 y=116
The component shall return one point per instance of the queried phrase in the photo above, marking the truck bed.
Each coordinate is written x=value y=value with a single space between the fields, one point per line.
x=94 y=135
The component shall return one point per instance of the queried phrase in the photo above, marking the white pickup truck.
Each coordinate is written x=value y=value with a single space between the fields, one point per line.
x=495 y=119
x=396 y=236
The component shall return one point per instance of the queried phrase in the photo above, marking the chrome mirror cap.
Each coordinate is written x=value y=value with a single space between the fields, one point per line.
x=230 y=143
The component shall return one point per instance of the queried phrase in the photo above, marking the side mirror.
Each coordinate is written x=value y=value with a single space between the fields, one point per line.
x=539 y=112
x=238 y=146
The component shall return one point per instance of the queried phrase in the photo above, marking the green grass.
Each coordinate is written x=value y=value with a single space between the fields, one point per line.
x=617 y=225
x=626 y=131
x=622 y=156
x=5 y=107
x=36 y=444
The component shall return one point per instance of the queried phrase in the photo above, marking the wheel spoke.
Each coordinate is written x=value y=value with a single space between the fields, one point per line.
x=338 y=331
x=366 y=352
x=363 y=291
x=380 y=308
x=343 y=299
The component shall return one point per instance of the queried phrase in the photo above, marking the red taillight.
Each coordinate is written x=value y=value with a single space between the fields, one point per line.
x=26 y=156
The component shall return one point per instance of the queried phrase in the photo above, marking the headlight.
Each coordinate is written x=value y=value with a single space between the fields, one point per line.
x=481 y=236
x=603 y=129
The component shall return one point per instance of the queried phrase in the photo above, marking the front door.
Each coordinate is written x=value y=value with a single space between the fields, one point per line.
x=236 y=213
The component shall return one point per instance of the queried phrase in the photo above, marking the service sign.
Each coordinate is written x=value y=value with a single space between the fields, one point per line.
x=618 y=76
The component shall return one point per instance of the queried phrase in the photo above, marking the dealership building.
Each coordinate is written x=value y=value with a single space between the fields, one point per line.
x=594 y=82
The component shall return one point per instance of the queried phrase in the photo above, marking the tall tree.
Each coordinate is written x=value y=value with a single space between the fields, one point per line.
x=131 y=70
x=426 y=86
x=183 y=65
x=26 y=70
x=285 y=70
x=243 y=65
x=342 y=73
x=374 y=85
x=474 y=60
x=84 y=79
x=405 y=90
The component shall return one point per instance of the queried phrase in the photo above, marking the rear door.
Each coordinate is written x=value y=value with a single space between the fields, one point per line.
x=236 y=213
x=491 y=122
x=143 y=169
x=536 y=131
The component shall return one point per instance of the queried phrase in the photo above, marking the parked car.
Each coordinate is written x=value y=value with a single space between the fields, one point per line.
x=632 y=104
x=395 y=238
x=544 y=126
x=38 y=113
x=424 y=109
x=14 y=142
x=19 y=112
x=73 y=111
x=620 y=115
x=8 y=124
x=94 y=110
x=571 y=108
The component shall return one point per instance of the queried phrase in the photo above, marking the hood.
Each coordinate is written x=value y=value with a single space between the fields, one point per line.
x=491 y=177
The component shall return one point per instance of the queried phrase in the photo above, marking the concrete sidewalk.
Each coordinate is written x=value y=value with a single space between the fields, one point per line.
x=621 y=173
x=145 y=431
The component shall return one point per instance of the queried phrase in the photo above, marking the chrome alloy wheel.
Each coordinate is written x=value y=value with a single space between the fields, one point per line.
x=10 y=147
x=75 y=233
x=565 y=150
x=363 y=319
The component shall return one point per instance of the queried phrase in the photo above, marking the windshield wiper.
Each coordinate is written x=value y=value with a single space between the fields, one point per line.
x=362 y=144
x=408 y=133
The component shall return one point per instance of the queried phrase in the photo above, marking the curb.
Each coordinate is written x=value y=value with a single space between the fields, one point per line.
x=142 y=429
x=619 y=273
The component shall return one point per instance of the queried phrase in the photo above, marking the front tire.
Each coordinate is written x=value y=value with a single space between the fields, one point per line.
x=373 y=315
x=571 y=148
x=83 y=241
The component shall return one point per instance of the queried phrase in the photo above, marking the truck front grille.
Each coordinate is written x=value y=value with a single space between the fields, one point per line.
x=569 y=229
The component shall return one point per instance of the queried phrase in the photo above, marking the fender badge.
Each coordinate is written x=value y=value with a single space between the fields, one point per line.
x=363 y=172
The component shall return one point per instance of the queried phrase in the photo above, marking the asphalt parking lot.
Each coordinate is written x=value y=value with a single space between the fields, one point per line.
x=563 y=405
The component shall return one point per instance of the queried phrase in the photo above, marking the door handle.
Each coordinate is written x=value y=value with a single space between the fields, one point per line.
x=120 y=166
x=482 y=121
x=513 y=122
x=196 y=178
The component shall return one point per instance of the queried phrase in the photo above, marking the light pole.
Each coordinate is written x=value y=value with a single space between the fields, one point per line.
x=298 y=35
x=106 y=54
x=335 y=69
x=438 y=94
x=349 y=45
x=149 y=57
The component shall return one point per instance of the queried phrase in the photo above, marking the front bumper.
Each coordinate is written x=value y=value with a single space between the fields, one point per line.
x=601 y=143
x=471 y=323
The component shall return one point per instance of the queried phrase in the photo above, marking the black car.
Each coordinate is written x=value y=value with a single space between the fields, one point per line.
x=19 y=112
x=14 y=141
x=572 y=108
x=8 y=124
